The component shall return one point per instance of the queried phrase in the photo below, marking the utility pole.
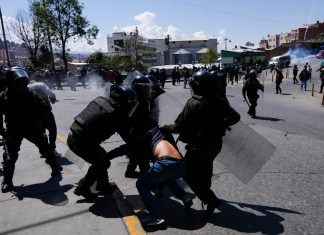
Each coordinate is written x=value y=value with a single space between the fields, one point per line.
x=4 y=38
x=48 y=32
x=167 y=42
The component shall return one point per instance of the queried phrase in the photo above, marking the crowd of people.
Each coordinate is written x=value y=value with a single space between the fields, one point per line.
x=129 y=111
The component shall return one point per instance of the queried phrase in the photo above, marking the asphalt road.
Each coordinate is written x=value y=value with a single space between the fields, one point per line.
x=285 y=197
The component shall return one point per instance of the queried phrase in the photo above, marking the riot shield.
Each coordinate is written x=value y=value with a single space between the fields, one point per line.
x=244 y=151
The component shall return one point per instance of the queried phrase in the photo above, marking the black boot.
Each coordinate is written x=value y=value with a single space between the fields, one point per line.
x=55 y=166
x=211 y=206
x=85 y=192
x=105 y=188
x=8 y=171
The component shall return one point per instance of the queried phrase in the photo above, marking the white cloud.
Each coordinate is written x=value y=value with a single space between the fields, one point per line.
x=81 y=45
x=147 y=28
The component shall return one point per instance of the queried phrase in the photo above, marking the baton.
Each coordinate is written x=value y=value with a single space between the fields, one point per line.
x=245 y=100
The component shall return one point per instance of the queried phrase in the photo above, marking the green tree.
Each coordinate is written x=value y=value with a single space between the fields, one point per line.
x=45 y=55
x=209 y=57
x=27 y=28
x=134 y=50
x=66 y=22
x=98 y=61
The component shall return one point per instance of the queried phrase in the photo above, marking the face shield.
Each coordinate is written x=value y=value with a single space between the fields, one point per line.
x=16 y=74
x=125 y=97
x=131 y=107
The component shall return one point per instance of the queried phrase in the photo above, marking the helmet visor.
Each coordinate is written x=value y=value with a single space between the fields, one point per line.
x=132 y=105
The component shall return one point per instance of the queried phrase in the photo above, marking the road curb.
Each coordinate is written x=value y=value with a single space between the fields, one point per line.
x=130 y=220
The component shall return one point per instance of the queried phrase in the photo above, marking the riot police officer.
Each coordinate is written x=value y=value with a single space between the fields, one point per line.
x=97 y=122
x=146 y=114
x=250 y=88
x=201 y=125
x=25 y=114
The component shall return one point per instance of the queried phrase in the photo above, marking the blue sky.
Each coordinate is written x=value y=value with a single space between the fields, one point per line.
x=238 y=20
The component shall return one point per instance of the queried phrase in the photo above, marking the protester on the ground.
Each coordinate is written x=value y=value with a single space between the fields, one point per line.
x=168 y=165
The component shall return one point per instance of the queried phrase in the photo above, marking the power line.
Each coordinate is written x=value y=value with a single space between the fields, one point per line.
x=236 y=14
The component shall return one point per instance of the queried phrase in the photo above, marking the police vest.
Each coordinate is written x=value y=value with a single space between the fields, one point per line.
x=96 y=114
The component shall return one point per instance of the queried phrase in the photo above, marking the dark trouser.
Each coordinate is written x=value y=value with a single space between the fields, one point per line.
x=253 y=104
x=278 y=89
x=321 y=88
x=295 y=79
x=199 y=170
x=94 y=154
x=162 y=82
x=50 y=125
x=132 y=165
x=13 y=143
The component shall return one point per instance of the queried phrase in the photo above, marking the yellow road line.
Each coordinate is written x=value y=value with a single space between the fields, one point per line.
x=131 y=222
x=61 y=138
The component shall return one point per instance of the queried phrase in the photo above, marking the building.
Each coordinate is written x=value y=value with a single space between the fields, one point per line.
x=4 y=58
x=308 y=32
x=188 y=51
x=242 y=56
x=116 y=43
x=165 y=51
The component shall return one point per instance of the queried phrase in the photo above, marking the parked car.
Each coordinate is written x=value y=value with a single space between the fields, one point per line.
x=282 y=61
x=320 y=54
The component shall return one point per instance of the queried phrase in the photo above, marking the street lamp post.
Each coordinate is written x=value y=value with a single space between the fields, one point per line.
x=226 y=39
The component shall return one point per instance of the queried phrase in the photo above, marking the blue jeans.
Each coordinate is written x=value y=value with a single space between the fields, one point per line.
x=164 y=171
x=303 y=84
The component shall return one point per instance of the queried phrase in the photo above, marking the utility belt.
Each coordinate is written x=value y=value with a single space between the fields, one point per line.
x=170 y=159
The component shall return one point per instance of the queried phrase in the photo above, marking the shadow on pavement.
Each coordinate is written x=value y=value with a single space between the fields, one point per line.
x=241 y=217
x=49 y=192
x=105 y=207
x=249 y=218
x=268 y=119
x=64 y=161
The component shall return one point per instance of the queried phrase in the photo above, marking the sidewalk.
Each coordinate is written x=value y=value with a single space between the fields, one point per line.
x=41 y=204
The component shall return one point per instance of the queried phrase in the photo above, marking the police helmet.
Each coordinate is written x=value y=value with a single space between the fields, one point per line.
x=202 y=82
x=143 y=87
x=214 y=74
x=14 y=75
x=125 y=97
x=253 y=73
x=214 y=67
x=152 y=79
